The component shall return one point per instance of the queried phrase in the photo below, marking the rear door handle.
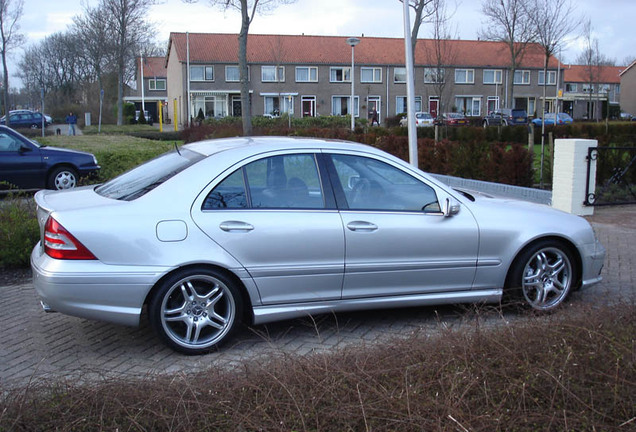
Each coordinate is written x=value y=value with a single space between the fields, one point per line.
x=230 y=226
x=362 y=226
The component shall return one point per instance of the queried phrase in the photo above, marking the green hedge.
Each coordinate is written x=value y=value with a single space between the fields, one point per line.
x=19 y=231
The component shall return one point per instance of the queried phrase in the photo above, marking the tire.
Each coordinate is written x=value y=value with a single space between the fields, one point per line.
x=195 y=310
x=542 y=276
x=62 y=178
x=485 y=124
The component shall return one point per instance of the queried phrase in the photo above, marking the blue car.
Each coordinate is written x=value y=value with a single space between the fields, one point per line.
x=24 y=119
x=24 y=164
x=562 y=119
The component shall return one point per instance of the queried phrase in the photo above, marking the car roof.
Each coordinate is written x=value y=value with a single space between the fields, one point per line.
x=272 y=143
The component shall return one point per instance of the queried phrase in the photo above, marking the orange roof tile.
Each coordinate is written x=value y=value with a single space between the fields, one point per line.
x=153 y=67
x=581 y=74
x=301 y=49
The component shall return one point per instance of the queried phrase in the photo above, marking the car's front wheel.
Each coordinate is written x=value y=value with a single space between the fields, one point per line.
x=195 y=310
x=62 y=178
x=543 y=275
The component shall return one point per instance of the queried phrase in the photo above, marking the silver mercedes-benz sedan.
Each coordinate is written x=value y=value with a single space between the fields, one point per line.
x=253 y=230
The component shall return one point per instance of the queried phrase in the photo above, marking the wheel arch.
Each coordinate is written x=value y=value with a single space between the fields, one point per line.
x=567 y=243
x=248 y=314
x=58 y=165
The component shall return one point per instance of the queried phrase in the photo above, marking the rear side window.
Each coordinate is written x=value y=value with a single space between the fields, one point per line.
x=141 y=180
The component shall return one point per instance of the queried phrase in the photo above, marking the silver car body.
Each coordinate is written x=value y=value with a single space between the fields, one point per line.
x=293 y=262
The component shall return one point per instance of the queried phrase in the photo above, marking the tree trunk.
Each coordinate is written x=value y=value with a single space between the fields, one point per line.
x=246 y=109
x=5 y=84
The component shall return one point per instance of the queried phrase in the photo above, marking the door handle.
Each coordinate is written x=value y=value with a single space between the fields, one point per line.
x=229 y=226
x=362 y=226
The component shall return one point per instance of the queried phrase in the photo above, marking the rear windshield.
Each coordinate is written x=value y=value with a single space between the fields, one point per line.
x=141 y=180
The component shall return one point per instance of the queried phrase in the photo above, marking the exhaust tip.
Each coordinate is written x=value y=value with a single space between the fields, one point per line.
x=46 y=307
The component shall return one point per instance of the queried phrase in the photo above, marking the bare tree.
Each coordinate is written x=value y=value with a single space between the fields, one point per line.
x=552 y=21
x=127 y=20
x=424 y=13
x=248 y=10
x=10 y=14
x=508 y=22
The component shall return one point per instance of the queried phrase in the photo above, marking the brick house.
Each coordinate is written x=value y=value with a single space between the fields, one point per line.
x=589 y=89
x=155 y=94
x=628 y=89
x=311 y=76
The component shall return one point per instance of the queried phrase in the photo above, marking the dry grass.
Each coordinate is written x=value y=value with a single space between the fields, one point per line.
x=570 y=371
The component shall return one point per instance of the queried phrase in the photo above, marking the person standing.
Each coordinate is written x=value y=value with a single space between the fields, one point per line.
x=71 y=119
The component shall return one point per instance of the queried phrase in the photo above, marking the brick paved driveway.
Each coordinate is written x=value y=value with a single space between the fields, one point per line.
x=35 y=345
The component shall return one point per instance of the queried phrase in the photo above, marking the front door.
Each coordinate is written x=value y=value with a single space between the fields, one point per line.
x=374 y=106
x=236 y=106
x=433 y=107
x=308 y=106
x=397 y=242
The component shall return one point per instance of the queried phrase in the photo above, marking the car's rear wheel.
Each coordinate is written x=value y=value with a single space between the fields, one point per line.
x=195 y=310
x=542 y=276
x=62 y=178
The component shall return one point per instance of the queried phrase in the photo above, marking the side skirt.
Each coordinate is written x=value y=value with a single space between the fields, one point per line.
x=271 y=313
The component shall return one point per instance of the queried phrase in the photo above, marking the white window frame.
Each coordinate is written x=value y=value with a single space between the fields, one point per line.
x=205 y=70
x=400 y=101
x=434 y=75
x=152 y=84
x=238 y=70
x=471 y=111
x=397 y=73
x=309 y=69
x=571 y=87
x=551 y=78
x=356 y=105
x=344 y=70
x=524 y=75
x=469 y=76
x=376 y=74
x=279 y=73
x=497 y=76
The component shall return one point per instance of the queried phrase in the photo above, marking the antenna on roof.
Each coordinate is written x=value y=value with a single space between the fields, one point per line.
x=176 y=147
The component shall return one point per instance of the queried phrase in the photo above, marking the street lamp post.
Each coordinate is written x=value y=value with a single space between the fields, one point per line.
x=353 y=42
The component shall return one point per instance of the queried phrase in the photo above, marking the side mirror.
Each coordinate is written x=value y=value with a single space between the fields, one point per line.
x=450 y=207
x=24 y=149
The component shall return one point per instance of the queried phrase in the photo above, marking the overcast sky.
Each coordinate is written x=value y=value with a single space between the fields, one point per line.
x=612 y=20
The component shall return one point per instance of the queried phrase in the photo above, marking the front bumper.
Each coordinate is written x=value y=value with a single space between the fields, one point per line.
x=91 y=289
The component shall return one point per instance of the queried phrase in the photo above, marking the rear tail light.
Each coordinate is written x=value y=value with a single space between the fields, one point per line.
x=60 y=244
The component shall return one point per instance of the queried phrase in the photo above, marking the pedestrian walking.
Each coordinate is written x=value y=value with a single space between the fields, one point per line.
x=71 y=119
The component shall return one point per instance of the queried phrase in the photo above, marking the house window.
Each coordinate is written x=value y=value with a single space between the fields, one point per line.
x=492 y=76
x=464 y=76
x=371 y=75
x=210 y=106
x=275 y=105
x=201 y=73
x=399 y=75
x=522 y=77
x=340 y=74
x=400 y=104
x=273 y=73
x=157 y=84
x=232 y=73
x=340 y=105
x=571 y=87
x=469 y=105
x=306 y=74
x=433 y=75
x=551 y=78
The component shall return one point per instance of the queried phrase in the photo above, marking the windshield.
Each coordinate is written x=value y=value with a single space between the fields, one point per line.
x=141 y=180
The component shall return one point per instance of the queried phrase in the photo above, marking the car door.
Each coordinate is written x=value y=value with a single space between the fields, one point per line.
x=274 y=217
x=20 y=162
x=397 y=240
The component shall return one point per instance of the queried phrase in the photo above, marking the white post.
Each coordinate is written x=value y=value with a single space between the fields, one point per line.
x=353 y=42
x=570 y=175
x=143 y=103
x=410 y=87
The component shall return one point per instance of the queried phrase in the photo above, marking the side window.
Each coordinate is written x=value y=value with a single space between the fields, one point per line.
x=286 y=181
x=370 y=184
x=8 y=143
x=229 y=194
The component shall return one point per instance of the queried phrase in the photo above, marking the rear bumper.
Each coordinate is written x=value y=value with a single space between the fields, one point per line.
x=91 y=289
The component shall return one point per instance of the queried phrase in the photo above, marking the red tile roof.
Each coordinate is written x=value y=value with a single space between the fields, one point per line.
x=292 y=49
x=153 y=67
x=581 y=74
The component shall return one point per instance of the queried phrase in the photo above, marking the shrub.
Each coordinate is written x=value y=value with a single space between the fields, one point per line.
x=19 y=231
